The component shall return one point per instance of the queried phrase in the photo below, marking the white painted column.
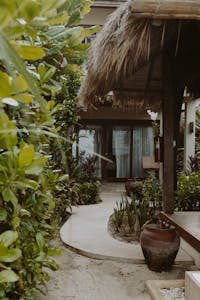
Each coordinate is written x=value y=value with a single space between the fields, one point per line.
x=160 y=117
x=189 y=132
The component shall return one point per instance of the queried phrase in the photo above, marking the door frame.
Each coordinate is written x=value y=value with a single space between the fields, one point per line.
x=107 y=126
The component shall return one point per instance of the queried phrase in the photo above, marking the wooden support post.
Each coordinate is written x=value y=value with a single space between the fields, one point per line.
x=168 y=137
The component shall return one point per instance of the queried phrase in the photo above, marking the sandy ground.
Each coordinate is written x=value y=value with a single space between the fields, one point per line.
x=82 y=278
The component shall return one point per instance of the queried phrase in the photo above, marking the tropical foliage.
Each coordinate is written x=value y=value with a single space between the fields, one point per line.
x=83 y=171
x=41 y=51
x=188 y=192
x=143 y=205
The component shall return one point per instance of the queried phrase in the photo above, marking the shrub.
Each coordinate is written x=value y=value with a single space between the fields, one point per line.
x=152 y=192
x=133 y=187
x=89 y=192
x=83 y=171
x=83 y=168
x=33 y=36
x=188 y=192
x=143 y=206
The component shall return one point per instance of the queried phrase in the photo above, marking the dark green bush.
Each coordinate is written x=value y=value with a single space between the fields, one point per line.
x=89 y=192
x=41 y=46
x=133 y=187
x=83 y=172
x=188 y=192
x=144 y=205
x=152 y=192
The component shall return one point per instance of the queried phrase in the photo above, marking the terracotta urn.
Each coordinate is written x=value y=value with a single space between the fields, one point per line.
x=160 y=245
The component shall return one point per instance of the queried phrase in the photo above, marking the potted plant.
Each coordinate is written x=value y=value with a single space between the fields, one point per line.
x=160 y=243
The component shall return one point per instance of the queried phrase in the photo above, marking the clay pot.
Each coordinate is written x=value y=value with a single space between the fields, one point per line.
x=159 y=246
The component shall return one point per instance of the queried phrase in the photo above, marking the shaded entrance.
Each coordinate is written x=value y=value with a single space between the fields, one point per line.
x=147 y=53
x=124 y=145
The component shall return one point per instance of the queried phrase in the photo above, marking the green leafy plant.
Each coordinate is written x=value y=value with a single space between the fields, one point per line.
x=119 y=214
x=152 y=191
x=143 y=205
x=188 y=192
x=40 y=51
x=66 y=193
x=133 y=187
x=9 y=254
x=83 y=171
x=89 y=192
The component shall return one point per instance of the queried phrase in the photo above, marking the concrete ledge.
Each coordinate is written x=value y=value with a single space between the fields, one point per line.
x=192 y=285
x=191 y=251
x=187 y=224
x=154 y=286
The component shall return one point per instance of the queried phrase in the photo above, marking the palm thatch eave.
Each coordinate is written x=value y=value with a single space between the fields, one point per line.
x=125 y=44
x=167 y=9
x=122 y=37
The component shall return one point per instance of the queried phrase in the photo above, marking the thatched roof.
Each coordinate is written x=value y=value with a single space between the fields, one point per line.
x=167 y=9
x=125 y=56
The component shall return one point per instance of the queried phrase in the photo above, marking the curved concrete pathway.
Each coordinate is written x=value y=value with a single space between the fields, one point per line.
x=86 y=233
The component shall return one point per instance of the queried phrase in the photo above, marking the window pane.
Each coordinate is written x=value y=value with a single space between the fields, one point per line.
x=121 y=140
x=89 y=142
x=142 y=146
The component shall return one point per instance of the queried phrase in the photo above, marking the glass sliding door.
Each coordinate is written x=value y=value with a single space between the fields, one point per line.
x=121 y=142
x=90 y=143
x=123 y=146
x=142 y=146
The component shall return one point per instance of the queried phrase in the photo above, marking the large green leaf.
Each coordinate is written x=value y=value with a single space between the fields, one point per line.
x=23 y=212
x=50 y=6
x=9 y=196
x=47 y=74
x=8 y=276
x=11 y=255
x=26 y=183
x=24 y=98
x=54 y=31
x=3 y=250
x=86 y=8
x=40 y=241
x=8 y=134
x=26 y=156
x=11 y=56
x=8 y=237
x=4 y=16
x=3 y=214
x=74 y=18
x=29 y=52
x=57 y=19
x=30 y=9
x=6 y=85
x=36 y=167
x=15 y=222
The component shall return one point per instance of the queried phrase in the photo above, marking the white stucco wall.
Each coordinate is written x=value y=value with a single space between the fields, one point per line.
x=189 y=134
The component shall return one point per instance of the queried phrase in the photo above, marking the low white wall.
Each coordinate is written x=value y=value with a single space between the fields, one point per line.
x=191 y=252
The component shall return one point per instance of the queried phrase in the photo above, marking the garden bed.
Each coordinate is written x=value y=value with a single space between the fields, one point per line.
x=122 y=234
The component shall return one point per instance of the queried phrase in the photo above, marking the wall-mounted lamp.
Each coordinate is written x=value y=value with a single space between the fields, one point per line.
x=191 y=127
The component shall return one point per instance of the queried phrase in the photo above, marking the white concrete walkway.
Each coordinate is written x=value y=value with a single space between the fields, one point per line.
x=86 y=232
